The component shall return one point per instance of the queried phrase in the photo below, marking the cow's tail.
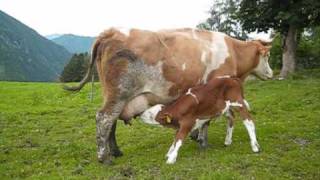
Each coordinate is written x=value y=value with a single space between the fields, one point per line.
x=89 y=70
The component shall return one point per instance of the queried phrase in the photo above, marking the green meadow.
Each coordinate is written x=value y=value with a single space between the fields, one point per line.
x=47 y=133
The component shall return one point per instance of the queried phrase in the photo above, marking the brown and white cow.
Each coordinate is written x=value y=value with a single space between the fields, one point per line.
x=138 y=69
x=199 y=105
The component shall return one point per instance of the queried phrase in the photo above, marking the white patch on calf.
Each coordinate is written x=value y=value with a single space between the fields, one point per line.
x=225 y=76
x=228 y=139
x=230 y=104
x=219 y=53
x=246 y=104
x=149 y=115
x=252 y=134
x=172 y=156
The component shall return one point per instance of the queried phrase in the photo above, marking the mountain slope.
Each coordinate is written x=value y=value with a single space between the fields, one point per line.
x=74 y=43
x=27 y=56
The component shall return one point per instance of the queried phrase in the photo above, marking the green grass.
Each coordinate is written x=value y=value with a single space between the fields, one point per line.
x=48 y=133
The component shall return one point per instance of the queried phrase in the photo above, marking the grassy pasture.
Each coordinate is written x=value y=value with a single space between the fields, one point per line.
x=48 y=133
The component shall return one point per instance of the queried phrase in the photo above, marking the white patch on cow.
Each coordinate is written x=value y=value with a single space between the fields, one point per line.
x=203 y=56
x=183 y=66
x=252 y=134
x=230 y=104
x=101 y=152
x=228 y=139
x=149 y=115
x=199 y=123
x=263 y=69
x=154 y=81
x=246 y=104
x=219 y=53
x=125 y=31
x=194 y=35
x=172 y=156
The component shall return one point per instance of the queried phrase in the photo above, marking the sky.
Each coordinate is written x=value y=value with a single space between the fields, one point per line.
x=90 y=17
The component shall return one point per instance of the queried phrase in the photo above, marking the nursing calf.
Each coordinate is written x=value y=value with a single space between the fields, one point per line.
x=197 y=106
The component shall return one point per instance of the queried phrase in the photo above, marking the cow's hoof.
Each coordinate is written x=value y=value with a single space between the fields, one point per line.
x=194 y=135
x=116 y=153
x=107 y=162
x=204 y=145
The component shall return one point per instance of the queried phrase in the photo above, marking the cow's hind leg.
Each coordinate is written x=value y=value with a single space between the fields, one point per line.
x=115 y=151
x=105 y=124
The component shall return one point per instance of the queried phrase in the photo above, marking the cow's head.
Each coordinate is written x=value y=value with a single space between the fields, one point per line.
x=263 y=69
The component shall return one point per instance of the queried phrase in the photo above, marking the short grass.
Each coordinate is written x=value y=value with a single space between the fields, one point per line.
x=46 y=132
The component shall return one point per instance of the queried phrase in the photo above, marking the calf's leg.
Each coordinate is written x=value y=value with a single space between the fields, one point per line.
x=249 y=124
x=230 y=117
x=180 y=136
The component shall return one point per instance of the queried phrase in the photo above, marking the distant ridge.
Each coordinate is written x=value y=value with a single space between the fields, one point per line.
x=75 y=43
x=27 y=56
x=52 y=36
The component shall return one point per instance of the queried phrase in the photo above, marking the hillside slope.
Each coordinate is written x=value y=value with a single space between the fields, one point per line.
x=27 y=56
x=75 y=43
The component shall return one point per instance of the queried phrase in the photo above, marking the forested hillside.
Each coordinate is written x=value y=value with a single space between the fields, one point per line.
x=27 y=56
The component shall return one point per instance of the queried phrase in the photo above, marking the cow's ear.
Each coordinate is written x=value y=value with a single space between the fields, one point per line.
x=268 y=47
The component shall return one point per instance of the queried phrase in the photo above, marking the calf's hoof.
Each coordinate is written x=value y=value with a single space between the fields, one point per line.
x=227 y=143
x=171 y=160
x=255 y=147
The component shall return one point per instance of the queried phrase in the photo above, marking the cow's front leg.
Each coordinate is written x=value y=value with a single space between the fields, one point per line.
x=201 y=135
x=105 y=122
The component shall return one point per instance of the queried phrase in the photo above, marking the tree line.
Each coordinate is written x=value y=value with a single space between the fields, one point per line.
x=76 y=68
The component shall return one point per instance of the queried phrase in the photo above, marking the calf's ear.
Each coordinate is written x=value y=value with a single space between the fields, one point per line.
x=167 y=118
